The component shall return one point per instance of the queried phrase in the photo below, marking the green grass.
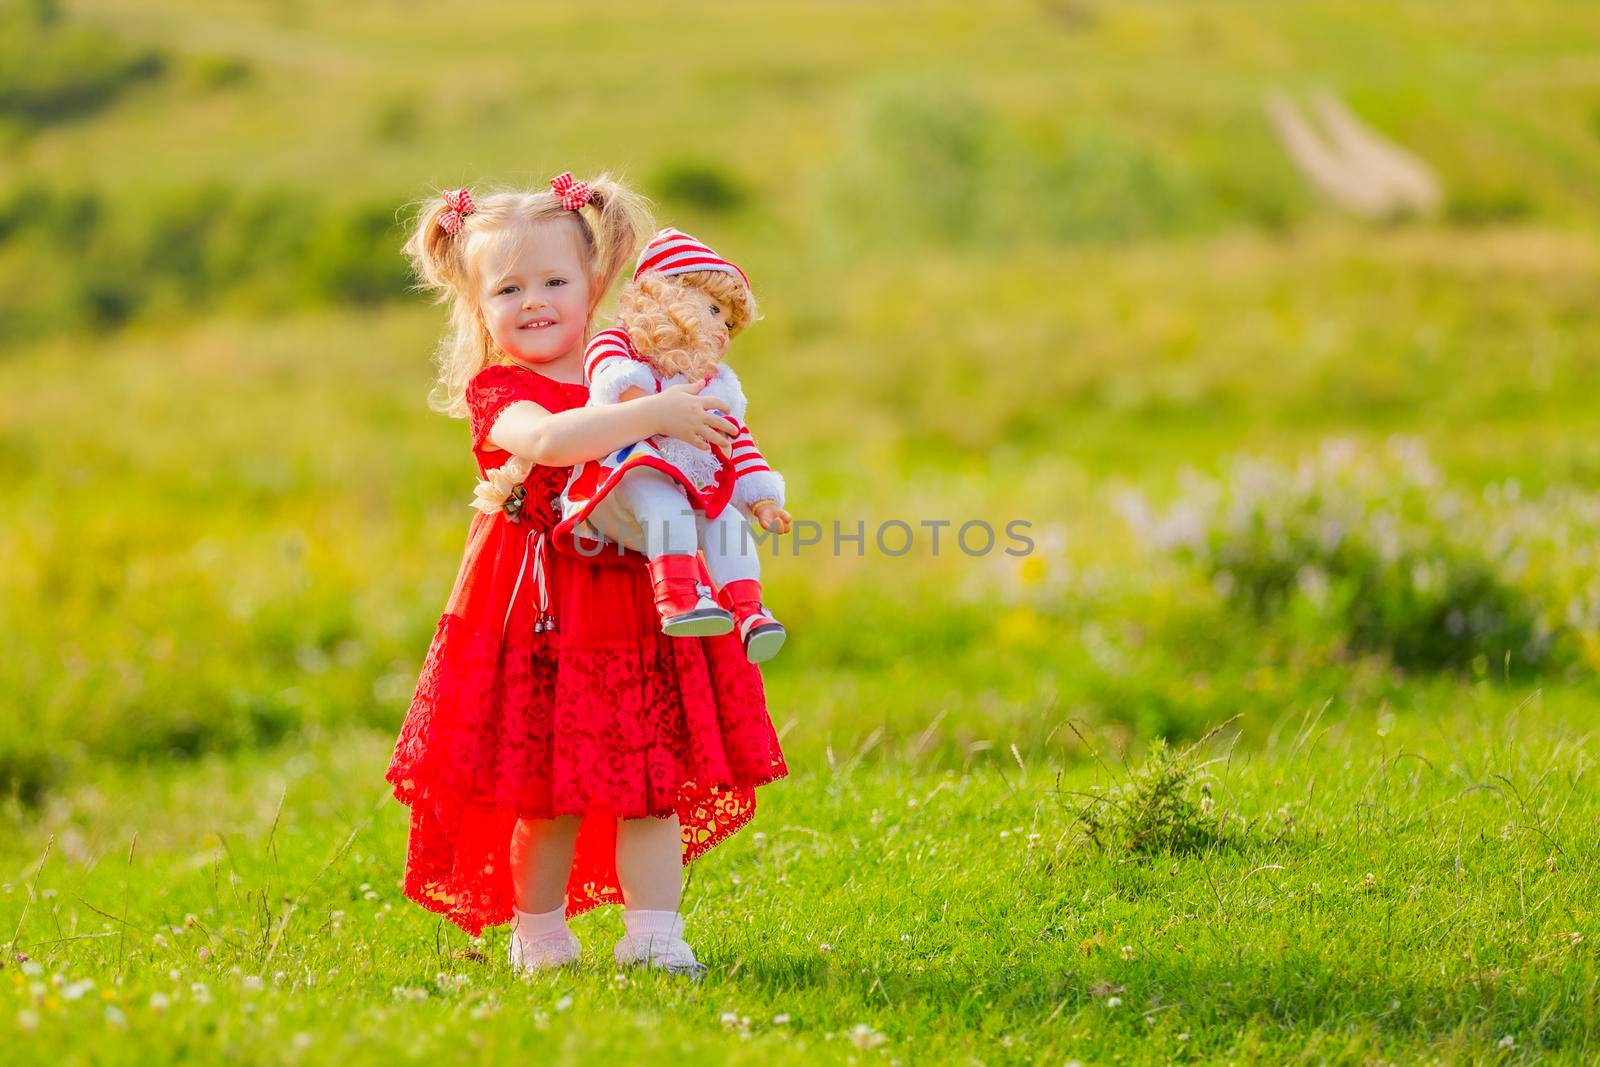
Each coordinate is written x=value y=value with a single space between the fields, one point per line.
x=1032 y=261
x=1395 y=888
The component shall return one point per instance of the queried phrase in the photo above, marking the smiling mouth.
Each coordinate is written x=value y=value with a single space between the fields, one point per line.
x=537 y=324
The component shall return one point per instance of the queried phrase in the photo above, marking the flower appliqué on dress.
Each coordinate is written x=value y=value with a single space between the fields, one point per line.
x=501 y=489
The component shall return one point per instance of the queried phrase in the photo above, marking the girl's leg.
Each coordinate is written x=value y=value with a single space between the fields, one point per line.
x=650 y=862
x=541 y=864
x=541 y=861
x=650 y=872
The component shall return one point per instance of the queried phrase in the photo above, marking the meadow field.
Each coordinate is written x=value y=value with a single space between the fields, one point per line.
x=1278 y=746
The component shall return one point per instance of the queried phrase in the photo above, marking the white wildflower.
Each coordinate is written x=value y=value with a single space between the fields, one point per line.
x=864 y=1036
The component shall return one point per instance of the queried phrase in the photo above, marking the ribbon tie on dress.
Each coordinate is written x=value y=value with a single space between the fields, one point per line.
x=537 y=544
x=502 y=490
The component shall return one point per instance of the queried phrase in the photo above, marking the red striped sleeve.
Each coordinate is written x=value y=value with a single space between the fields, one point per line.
x=747 y=458
x=607 y=344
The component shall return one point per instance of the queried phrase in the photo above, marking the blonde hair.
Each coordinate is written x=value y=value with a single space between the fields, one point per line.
x=611 y=226
x=663 y=318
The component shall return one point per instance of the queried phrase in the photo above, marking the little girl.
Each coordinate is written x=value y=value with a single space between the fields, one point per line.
x=561 y=752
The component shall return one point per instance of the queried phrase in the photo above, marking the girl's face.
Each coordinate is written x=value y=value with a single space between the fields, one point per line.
x=537 y=302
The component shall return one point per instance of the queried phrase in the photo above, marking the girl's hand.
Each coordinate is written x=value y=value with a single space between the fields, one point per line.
x=682 y=413
x=771 y=517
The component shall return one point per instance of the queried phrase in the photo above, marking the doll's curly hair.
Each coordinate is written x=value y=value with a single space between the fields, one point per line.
x=663 y=318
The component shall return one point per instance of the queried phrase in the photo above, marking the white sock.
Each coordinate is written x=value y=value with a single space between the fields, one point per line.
x=531 y=925
x=653 y=926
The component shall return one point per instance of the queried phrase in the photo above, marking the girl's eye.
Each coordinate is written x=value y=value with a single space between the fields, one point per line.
x=556 y=281
x=506 y=289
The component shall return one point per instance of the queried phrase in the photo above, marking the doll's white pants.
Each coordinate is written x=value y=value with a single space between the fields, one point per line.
x=648 y=512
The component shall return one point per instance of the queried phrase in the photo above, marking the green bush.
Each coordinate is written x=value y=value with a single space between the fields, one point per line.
x=397 y=120
x=52 y=73
x=82 y=263
x=931 y=162
x=213 y=73
x=1364 y=547
x=704 y=186
x=1162 y=807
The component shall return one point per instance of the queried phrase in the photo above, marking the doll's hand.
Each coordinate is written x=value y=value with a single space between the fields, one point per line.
x=682 y=413
x=771 y=517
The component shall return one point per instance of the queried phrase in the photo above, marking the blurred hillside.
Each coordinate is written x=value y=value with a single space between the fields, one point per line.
x=1040 y=260
x=185 y=156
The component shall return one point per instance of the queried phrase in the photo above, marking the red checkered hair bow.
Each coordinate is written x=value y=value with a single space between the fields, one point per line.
x=573 y=194
x=458 y=205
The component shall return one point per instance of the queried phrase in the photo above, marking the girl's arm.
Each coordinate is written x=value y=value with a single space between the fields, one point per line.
x=562 y=438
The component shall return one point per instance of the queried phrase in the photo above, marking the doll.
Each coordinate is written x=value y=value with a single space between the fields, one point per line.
x=666 y=497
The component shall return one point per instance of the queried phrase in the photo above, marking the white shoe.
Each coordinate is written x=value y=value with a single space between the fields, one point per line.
x=671 y=954
x=543 y=953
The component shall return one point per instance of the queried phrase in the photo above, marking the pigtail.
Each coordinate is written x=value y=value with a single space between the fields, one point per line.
x=620 y=221
x=434 y=250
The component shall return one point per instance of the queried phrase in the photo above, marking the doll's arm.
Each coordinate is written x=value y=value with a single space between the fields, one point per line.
x=756 y=481
x=611 y=371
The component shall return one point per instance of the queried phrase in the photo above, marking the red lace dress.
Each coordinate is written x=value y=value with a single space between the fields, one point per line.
x=550 y=690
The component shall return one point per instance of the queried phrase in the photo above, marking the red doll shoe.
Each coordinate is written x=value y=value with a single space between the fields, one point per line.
x=685 y=605
x=762 y=634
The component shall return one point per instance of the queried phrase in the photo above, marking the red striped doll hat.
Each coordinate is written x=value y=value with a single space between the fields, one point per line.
x=672 y=252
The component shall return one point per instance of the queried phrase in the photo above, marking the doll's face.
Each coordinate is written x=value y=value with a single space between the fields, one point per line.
x=537 y=296
x=681 y=324
x=715 y=323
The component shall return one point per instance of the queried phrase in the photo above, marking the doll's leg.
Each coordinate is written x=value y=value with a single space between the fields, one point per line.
x=731 y=558
x=648 y=512
x=729 y=546
x=541 y=864
x=650 y=873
